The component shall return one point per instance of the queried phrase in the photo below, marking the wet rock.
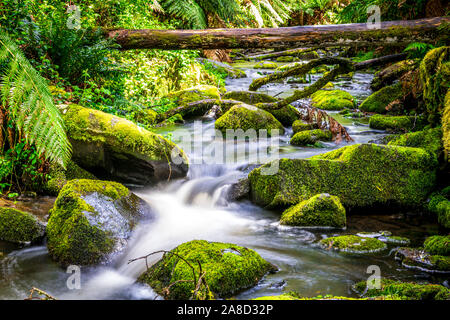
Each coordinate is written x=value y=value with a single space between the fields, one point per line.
x=310 y=137
x=361 y=175
x=420 y=260
x=92 y=219
x=353 y=244
x=369 y=234
x=395 y=123
x=247 y=117
x=239 y=190
x=265 y=65
x=322 y=210
x=396 y=240
x=404 y=290
x=300 y=125
x=332 y=100
x=20 y=227
x=113 y=148
x=378 y=101
x=228 y=269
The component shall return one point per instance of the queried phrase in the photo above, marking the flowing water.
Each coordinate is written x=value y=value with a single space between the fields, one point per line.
x=197 y=208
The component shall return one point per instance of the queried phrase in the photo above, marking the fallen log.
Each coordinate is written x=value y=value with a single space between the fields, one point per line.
x=390 y=33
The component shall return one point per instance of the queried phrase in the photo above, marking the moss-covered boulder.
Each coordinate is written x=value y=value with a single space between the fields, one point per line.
x=439 y=245
x=446 y=126
x=265 y=65
x=353 y=244
x=378 y=101
x=429 y=139
x=113 y=148
x=247 y=117
x=310 y=137
x=147 y=117
x=408 y=290
x=417 y=259
x=92 y=219
x=361 y=175
x=228 y=269
x=322 y=210
x=435 y=78
x=332 y=100
x=395 y=123
x=193 y=94
x=285 y=59
x=19 y=227
x=388 y=75
x=440 y=205
x=300 y=125
x=58 y=177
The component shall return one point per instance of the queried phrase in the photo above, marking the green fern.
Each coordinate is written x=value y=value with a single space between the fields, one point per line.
x=25 y=95
x=418 y=50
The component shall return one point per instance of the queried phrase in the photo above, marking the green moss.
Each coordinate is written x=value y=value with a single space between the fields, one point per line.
x=360 y=175
x=17 y=226
x=310 y=137
x=147 y=117
x=265 y=65
x=395 y=123
x=72 y=239
x=322 y=210
x=332 y=100
x=439 y=245
x=446 y=126
x=299 y=125
x=410 y=290
x=298 y=79
x=248 y=117
x=229 y=269
x=435 y=78
x=392 y=73
x=286 y=115
x=378 y=101
x=398 y=240
x=429 y=139
x=440 y=205
x=353 y=244
x=197 y=93
x=249 y=97
x=285 y=59
x=440 y=263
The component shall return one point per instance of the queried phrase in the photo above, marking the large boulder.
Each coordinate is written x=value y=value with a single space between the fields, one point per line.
x=332 y=100
x=113 y=148
x=201 y=92
x=429 y=139
x=92 y=219
x=227 y=268
x=378 y=101
x=361 y=175
x=19 y=227
x=246 y=117
x=322 y=210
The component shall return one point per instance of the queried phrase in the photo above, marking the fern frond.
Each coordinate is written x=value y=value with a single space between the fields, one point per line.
x=187 y=10
x=25 y=94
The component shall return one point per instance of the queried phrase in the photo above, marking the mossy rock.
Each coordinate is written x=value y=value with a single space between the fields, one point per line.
x=286 y=115
x=92 y=219
x=332 y=100
x=19 y=227
x=308 y=55
x=193 y=94
x=310 y=137
x=438 y=245
x=417 y=259
x=361 y=175
x=388 y=75
x=440 y=205
x=446 y=126
x=378 y=101
x=113 y=148
x=247 y=117
x=285 y=59
x=147 y=117
x=288 y=66
x=297 y=79
x=396 y=240
x=322 y=210
x=353 y=244
x=249 y=97
x=429 y=139
x=265 y=65
x=435 y=78
x=409 y=290
x=59 y=177
x=228 y=269
x=224 y=68
x=395 y=123
x=300 y=125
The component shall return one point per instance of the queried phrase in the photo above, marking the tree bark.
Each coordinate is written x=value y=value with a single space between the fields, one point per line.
x=391 y=33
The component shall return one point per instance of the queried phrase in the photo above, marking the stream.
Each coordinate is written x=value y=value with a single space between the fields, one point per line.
x=197 y=208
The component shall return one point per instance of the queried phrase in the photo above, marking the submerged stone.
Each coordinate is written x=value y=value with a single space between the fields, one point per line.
x=417 y=259
x=92 y=219
x=228 y=269
x=361 y=175
x=116 y=149
x=322 y=210
x=332 y=100
x=19 y=227
x=247 y=117
x=353 y=244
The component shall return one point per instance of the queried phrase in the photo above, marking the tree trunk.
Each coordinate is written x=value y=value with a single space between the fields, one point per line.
x=391 y=33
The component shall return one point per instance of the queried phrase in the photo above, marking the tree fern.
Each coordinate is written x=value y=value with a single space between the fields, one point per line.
x=26 y=97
